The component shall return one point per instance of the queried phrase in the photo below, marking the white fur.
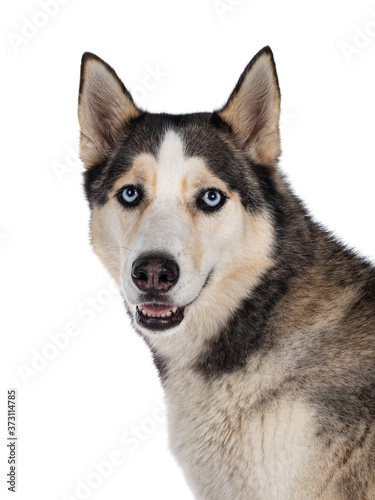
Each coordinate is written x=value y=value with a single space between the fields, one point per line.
x=231 y=450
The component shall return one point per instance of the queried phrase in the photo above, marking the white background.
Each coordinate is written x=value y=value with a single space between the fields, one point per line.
x=79 y=408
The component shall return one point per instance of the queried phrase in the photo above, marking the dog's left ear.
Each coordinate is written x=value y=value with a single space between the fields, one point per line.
x=253 y=109
x=105 y=107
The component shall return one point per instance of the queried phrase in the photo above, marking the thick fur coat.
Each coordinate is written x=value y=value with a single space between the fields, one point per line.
x=261 y=324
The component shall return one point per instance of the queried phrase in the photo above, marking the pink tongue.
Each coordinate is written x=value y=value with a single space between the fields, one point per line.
x=155 y=309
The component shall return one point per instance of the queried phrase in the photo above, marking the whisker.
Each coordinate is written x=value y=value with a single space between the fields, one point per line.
x=126 y=248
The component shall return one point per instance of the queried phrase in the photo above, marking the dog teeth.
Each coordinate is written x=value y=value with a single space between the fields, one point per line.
x=165 y=315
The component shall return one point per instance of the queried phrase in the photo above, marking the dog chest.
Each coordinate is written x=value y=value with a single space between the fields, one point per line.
x=230 y=444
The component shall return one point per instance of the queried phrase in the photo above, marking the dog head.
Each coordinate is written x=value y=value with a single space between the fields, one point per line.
x=180 y=204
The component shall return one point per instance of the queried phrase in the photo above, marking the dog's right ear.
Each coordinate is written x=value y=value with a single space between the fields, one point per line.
x=104 y=109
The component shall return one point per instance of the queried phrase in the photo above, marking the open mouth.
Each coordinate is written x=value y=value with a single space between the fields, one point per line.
x=159 y=316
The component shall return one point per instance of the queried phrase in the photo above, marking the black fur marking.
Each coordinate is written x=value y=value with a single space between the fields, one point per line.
x=271 y=195
x=143 y=134
x=204 y=135
x=216 y=146
x=247 y=330
x=92 y=178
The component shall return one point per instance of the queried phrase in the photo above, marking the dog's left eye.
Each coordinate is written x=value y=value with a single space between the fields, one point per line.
x=129 y=196
x=210 y=200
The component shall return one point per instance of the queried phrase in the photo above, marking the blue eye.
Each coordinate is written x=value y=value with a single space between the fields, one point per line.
x=129 y=196
x=212 y=198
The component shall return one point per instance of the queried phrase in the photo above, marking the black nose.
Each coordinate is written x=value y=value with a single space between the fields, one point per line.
x=156 y=273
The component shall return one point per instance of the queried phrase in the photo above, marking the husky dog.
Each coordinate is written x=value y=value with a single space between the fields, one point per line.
x=261 y=325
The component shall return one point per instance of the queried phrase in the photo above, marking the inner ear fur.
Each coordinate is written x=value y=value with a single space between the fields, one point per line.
x=104 y=108
x=253 y=109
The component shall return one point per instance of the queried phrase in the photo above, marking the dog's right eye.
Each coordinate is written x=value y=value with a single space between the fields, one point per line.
x=129 y=196
x=211 y=200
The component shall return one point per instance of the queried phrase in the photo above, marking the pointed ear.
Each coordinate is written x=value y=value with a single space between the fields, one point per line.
x=104 y=108
x=253 y=109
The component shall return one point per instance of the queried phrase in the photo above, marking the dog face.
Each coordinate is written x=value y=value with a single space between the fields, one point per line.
x=181 y=208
